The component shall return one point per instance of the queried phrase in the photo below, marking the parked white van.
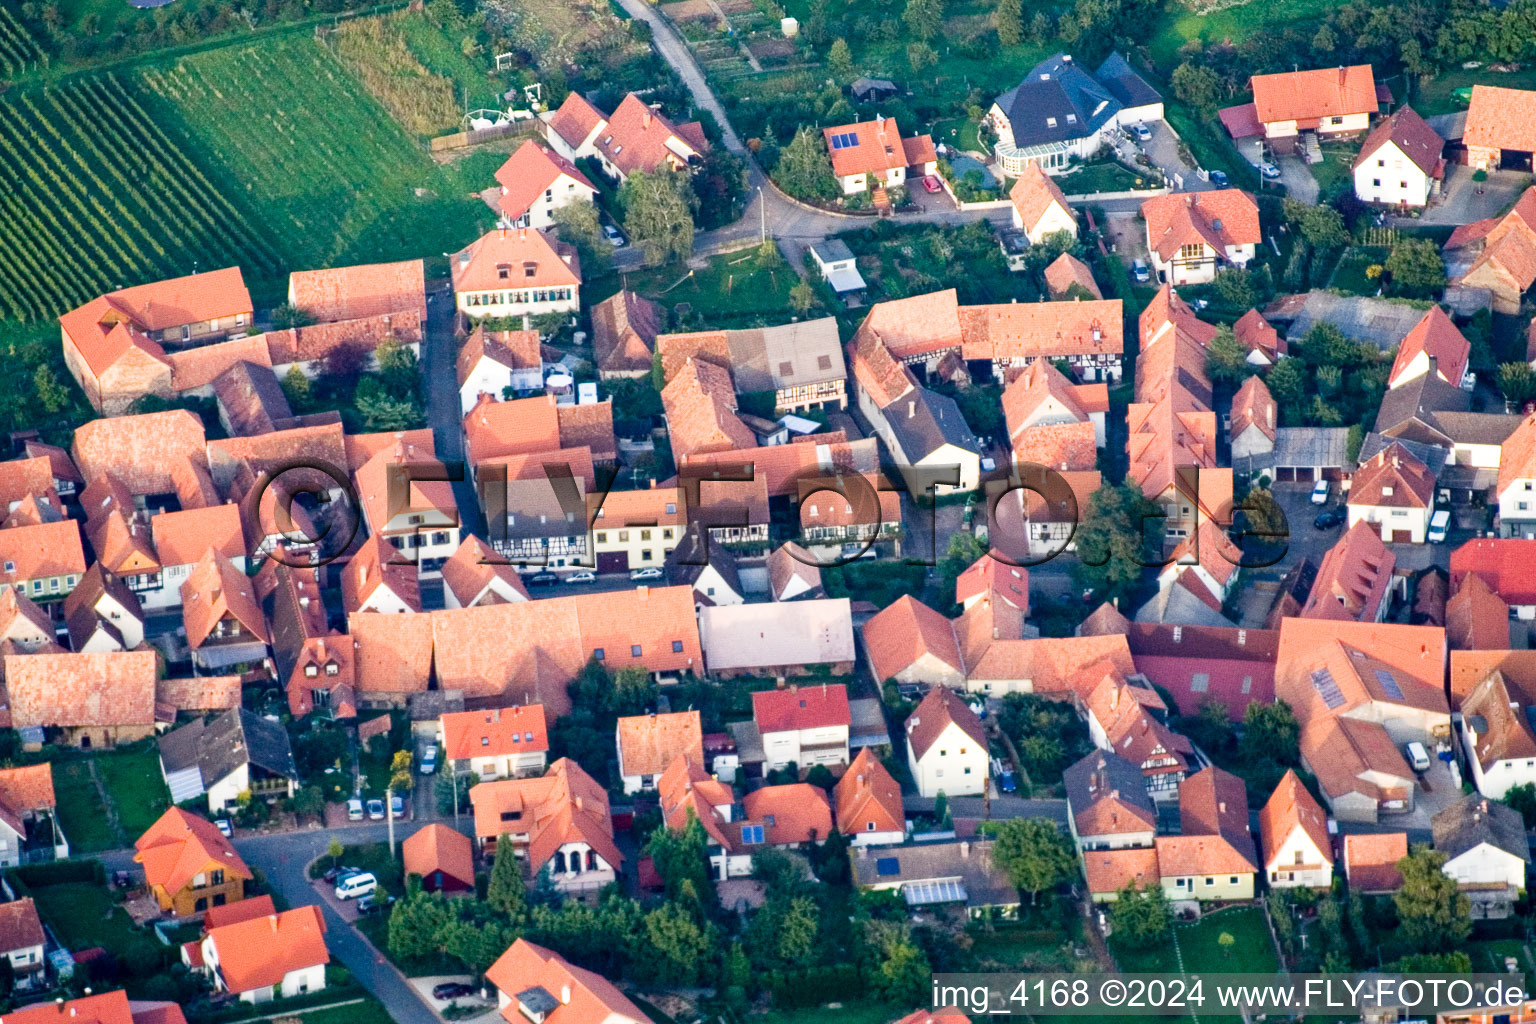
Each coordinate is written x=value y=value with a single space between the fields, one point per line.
x=352 y=887
x=1418 y=757
x=1439 y=523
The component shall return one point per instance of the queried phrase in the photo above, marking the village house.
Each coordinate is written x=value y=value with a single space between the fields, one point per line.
x=1497 y=254
x=789 y=816
x=90 y=701
x=1320 y=101
x=558 y=823
x=624 y=329
x=179 y=541
x=515 y=272
x=536 y=984
x=839 y=268
x=1505 y=565
x=867 y=800
x=1212 y=857
x=44 y=560
x=1253 y=420
x=946 y=746
x=1039 y=207
x=686 y=790
x=783 y=639
x=501 y=364
x=1497 y=736
x=497 y=743
x=275 y=956
x=378 y=578
x=419 y=521
x=635 y=138
x=102 y=614
x=1192 y=234
x=227 y=757
x=21 y=943
x=1370 y=861
x=443 y=858
x=1434 y=346
x=1293 y=831
x=708 y=570
x=839 y=510
x=1395 y=493
x=1128 y=720
x=1476 y=618
x=1400 y=163
x=794 y=574
x=475 y=575
x=189 y=865
x=1060 y=113
x=932 y=874
x=1356 y=580
x=340 y=294
x=648 y=744
x=535 y=182
x=224 y=623
x=1108 y=807
x=1067 y=277
x=800 y=363
x=874 y=151
x=911 y=643
x=25 y=627
x=636 y=529
x=1487 y=853
x=1052 y=422
x=29 y=824
x=803 y=725
x=1516 y=486
x=1500 y=133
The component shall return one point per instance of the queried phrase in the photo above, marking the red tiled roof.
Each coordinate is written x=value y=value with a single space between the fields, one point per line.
x=1112 y=870
x=241 y=910
x=515 y=350
x=106 y=328
x=878 y=148
x=1047 y=330
x=259 y=952
x=1214 y=839
x=700 y=405
x=868 y=794
x=1357 y=657
x=1291 y=807
x=40 y=551
x=938 y=710
x=182 y=537
x=914 y=326
x=1317 y=93
x=1476 y=617
x=472 y=567
x=1222 y=218
x=527 y=257
x=20 y=927
x=991 y=576
x=1413 y=137
x=1033 y=194
x=1436 y=337
x=1506 y=564
x=391 y=653
x=216 y=589
x=801 y=707
x=1354 y=577
x=496 y=732
x=67 y=690
x=1257 y=335
x=1241 y=121
x=106 y=1008
x=140 y=451
x=794 y=813
x=649 y=743
x=1067 y=270
x=593 y=998
x=179 y=846
x=1253 y=405
x=352 y=293
x=1370 y=860
x=561 y=806
x=1501 y=118
x=529 y=173
x=638 y=138
x=439 y=848
x=1392 y=478
x=575 y=119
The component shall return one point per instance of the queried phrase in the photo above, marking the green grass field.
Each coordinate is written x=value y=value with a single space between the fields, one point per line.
x=135 y=787
x=83 y=915
x=319 y=161
x=732 y=290
x=366 y=1012
x=1179 y=24
x=82 y=815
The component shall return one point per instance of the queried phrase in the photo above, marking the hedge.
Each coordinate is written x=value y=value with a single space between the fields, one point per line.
x=814 y=986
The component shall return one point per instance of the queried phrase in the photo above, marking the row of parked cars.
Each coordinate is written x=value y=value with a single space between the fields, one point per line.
x=548 y=578
x=374 y=809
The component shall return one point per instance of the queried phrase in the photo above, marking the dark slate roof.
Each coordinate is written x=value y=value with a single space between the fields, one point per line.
x=80 y=606
x=1125 y=83
x=222 y=744
x=681 y=573
x=1407 y=411
x=1474 y=820
x=924 y=421
x=1433 y=456
x=1115 y=773
x=1057 y=88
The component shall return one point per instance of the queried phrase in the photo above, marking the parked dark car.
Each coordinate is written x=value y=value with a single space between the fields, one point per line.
x=452 y=990
x=1219 y=179
x=374 y=902
x=542 y=579
x=1330 y=518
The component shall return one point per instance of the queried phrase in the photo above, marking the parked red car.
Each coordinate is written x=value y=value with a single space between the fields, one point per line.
x=931 y=183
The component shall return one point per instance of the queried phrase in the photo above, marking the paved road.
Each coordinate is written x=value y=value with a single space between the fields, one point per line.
x=282 y=858
x=439 y=353
x=1002 y=807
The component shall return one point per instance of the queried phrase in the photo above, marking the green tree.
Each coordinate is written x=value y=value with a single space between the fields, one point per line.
x=899 y=971
x=798 y=929
x=924 y=18
x=296 y=388
x=1226 y=941
x=1523 y=799
x=658 y=214
x=1111 y=541
x=506 y=890
x=52 y=395
x=334 y=850
x=1235 y=286
x=288 y=316
x=721 y=188
x=1226 y=359
x=477 y=944
x=1270 y=732
x=682 y=862
x=1287 y=382
x=1432 y=911
x=633 y=691
x=1140 y=916
x=1263 y=514
x=1010 y=22
x=1035 y=855
x=1321 y=226
x=1416 y=268
x=309 y=802
x=1039 y=27
x=416 y=924
x=802 y=297
x=840 y=60
x=443 y=789
x=679 y=947
x=1196 y=85
x=380 y=411
x=804 y=169
x=579 y=224
x=921 y=56
x=821 y=775
x=1516 y=383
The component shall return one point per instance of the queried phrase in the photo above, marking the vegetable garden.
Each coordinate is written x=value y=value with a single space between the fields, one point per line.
x=99 y=196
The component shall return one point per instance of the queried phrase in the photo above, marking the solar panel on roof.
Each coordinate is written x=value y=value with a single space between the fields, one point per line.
x=1323 y=682
x=1389 y=684
x=887 y=866
x=845 y=140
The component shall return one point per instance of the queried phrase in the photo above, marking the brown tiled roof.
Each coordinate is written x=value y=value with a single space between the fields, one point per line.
x=1320 y=92
x=638 y=138
x=391 y=653
x=183 y=537
x=935 y=713
x=318 y=341
x=378 y=563
x=914 y=326
x=590 y=425
x=1436 y=337
x=1059 y=446
x=624 y=328
x=20 y=478
x=471 y=568
x=1497 y=721
x=1033 y=194
x=351 y=293
x=1028 y=330
x=1370 y=860
x=59 y=459
x=1213 y=818
x=20 y=927
x=700 y=405
x=1107 y=795
x=216 y=589
x=789 y=561
x=1067 y=270
x=868 y=793
x=880 y=374
x=199 y=693
x=1350 y=756
x=515 y=350
x=41 y=551
x=991 y=575
x=574 y=120
x=1501 y=118
x=649 y=743
x=1354 y=577
x=1412 y=135
x=1113 y=870
x=1393 y=478
x=1476 y=617
x=139 y=451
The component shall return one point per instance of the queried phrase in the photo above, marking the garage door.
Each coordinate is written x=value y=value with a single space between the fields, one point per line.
x=1304 y=476
x=1284 y=474
x=613 y=561
x=1402 y=536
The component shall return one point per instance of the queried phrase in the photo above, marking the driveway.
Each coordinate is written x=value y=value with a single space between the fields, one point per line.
x=1297 y=178
x=1163 y=148
x=1460 y=202
x=439 y=351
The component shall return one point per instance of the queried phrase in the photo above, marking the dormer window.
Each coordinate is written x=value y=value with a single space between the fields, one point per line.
x=331 y=668
x=503 y=270
x=1071 y=119
x=530 y=268
x=311 y=671
x=1050 y=122
x=485 y=741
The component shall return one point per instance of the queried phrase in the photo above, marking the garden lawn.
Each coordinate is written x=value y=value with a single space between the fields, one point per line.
x=325 y=170
x=1438 y=95
x=366 y=1012
x=1350 y=274
x=1254 y=950
x=1335 y=174
x=135 y=787
x=850 y=1013
x=84 y=915
x=1105 y=176
x=82 y=815
x=1180 y=24
x=730 y=291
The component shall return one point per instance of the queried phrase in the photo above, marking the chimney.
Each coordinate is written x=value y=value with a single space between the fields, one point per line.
x=911 y=408
x=965 y=851
x=646 y=118
x=1221 y=807
x=643 y=591
x=565 y=995
x=578 y=801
